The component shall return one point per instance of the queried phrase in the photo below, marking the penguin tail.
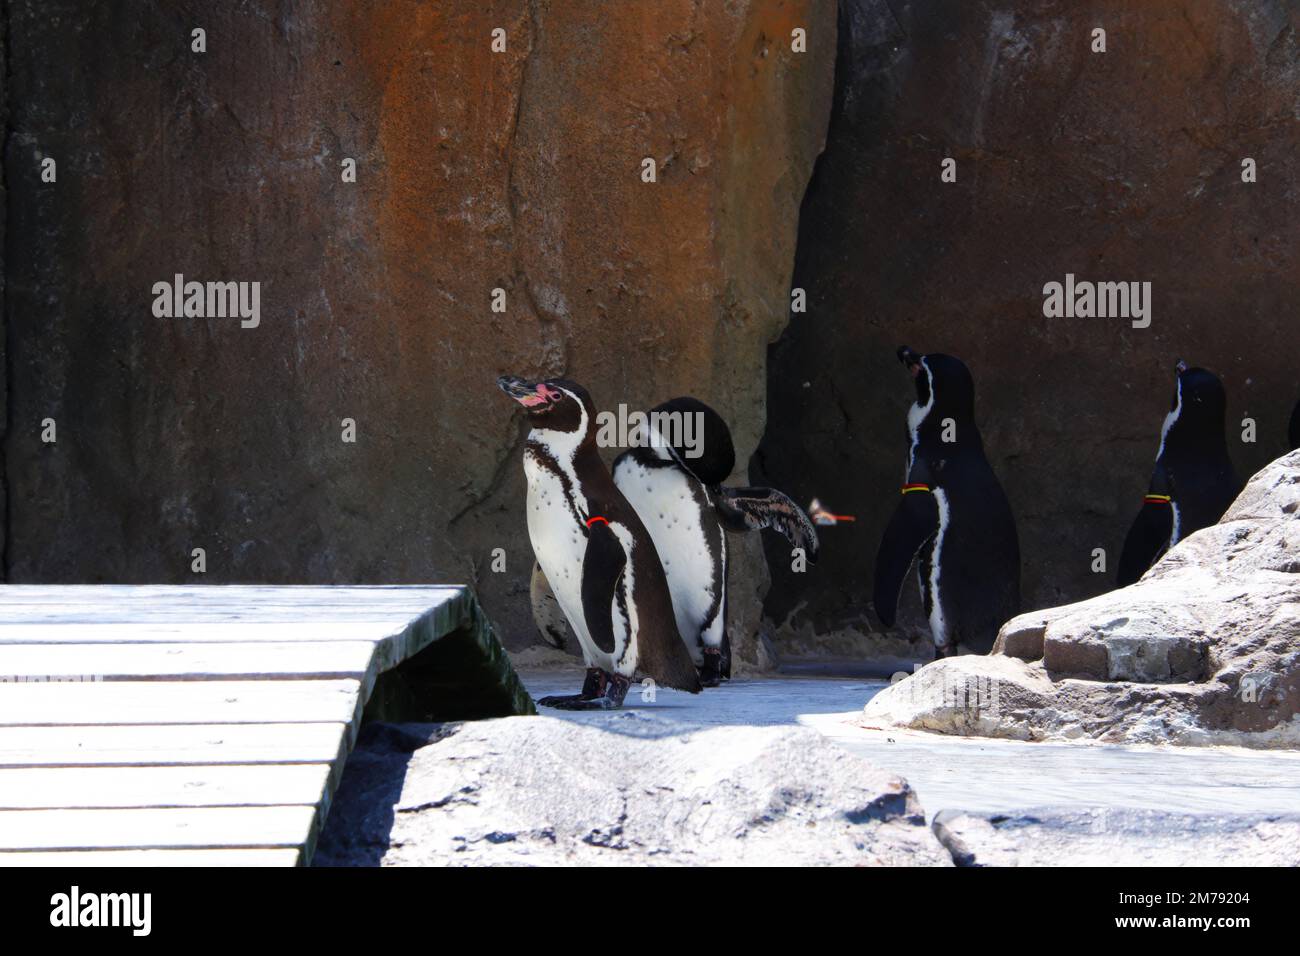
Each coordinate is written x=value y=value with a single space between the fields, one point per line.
x=669 y=664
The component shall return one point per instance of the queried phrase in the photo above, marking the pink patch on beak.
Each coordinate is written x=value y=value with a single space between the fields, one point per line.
x=915 y=369
x=531 y=401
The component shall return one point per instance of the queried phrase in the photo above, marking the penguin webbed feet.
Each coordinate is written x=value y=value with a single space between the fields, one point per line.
x=600 y=691
x=715 y=667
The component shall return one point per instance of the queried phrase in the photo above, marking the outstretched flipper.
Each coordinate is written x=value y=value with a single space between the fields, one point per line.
x=547 y=613
x=1147 y=538
x=751 y=509
x=915 y=521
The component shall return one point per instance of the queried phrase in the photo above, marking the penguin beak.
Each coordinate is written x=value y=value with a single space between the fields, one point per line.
x=911 y=359
x=525 y=393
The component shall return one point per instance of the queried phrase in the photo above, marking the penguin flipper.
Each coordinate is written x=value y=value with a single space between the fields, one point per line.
x=751 y=509
x=1146 y=539
x=915 y=521
x=602 y=567
x=547 y=613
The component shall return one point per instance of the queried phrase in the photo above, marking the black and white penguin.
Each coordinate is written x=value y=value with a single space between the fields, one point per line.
x=953 y=516
x=596 y=554
x=1193 y=481
x=676 y=488
x=1293 y=432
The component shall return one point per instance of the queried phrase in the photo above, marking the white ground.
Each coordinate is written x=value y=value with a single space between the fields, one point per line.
x=979 y=775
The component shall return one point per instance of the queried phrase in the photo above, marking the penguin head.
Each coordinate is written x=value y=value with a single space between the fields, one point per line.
x=555 y=405
x=697 y=439
x=943 y=384
x=1199 y=406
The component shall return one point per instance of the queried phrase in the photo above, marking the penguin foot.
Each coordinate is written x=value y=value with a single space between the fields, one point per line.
x=578 y=703
x=562 y=702
x=600 y=691
x=714 y=670
x=594 y=684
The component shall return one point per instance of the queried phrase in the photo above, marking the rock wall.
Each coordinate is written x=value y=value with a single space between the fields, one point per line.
x=476 y=170
x=1117 y=166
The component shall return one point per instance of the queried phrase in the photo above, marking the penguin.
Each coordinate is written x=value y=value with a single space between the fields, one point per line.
x=594 y=551
x=952 y=516
x=677 y=490
x=1293 y=432
x=1193 y=481
x=547 y=613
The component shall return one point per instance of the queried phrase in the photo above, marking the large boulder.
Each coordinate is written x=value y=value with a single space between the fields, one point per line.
x=1101 y=836
x=625 y=788
x=1204 y=649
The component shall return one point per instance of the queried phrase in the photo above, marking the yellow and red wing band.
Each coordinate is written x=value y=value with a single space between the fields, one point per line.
x=1156 y=500
x=908 y=489
x=594 y=518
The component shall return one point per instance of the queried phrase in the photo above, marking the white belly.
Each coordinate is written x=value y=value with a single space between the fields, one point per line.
x=664 y=500
x=560 y=547
x=938 y=623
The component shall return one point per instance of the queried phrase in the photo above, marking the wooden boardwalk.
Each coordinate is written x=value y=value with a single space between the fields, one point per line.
x=172 y=725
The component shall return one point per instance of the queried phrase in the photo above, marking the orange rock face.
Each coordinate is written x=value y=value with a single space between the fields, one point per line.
x=476 y=170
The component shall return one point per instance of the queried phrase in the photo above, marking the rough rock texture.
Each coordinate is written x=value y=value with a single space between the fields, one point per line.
x=628 y=790
x=475 y=170
x=4 y=211
x=1204 y=649
x=1120 y=166
x=1111 y=837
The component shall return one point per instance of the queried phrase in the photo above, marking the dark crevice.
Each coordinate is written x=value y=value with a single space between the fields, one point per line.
x=6 y=256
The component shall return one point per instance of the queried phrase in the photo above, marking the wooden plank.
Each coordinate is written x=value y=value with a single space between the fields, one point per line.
x=200 y=632
x=297 y=594
x=217 y=719
x=92 y=858
x=211 y=786
x=215 y=603
x=136 y=829
x=183 y=702
x=178 y=745
x=188 y=661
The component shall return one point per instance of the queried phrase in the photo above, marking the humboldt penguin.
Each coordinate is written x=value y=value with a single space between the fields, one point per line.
x=594 y=551
x=952 y=516
x=673 y=477
x=1193 y=481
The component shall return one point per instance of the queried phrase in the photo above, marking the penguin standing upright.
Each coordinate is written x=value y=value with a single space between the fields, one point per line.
x=1193 y=481
x=953 y=515
x=676 y=487
x=594 y=551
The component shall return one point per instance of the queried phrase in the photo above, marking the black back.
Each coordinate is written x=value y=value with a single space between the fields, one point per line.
x=1195 y=459
x=1192 y=468
x=980 y=556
